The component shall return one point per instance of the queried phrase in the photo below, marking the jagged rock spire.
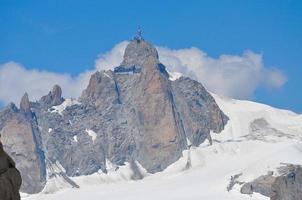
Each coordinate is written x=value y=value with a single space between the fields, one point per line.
x=140 y=117
x=25 y=104
x=54 y=97
x=141 y=53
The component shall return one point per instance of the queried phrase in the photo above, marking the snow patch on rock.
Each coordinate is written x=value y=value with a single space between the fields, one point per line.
x=60 y=108
x=173 y=76
x=92 y=134
x=75 y=138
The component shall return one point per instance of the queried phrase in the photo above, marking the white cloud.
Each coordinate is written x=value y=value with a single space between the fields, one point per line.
x=15 y=80
x=229 y=75
x=112 y=58
x=236 y=76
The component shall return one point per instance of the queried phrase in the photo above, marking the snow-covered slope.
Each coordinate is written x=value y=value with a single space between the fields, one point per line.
x=256 y=140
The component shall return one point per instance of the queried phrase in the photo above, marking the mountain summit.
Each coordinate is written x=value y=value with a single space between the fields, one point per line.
x=133 y=114
x=140 y=52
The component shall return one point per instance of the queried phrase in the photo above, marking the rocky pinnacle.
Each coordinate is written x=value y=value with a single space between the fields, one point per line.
x=122 y=116
x=24 y=104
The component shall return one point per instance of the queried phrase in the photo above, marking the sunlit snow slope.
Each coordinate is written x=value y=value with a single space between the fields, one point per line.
x=256 y=140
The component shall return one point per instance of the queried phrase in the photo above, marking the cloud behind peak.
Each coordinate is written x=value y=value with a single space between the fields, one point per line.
x=236 y=76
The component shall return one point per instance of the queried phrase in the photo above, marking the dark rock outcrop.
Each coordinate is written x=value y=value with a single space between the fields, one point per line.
x=288 y=186
x=262 y=185
x=19 y=137
x=10 y=178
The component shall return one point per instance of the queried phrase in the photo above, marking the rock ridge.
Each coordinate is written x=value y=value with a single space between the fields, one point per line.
x=122 y=116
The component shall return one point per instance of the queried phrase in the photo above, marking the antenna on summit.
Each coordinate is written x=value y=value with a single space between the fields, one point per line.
x=139 y=35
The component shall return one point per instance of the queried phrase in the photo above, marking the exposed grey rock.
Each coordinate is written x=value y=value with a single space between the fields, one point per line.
x=286 y=186
x=144 y=127
x=234 y=181
x=56 y=95
x=102 y=91
x=24 y=104
x=53 y=98
x=198 y=110
x=260 y=129
x=262 y=185
x=11 y=107
x=139 y=52
x=19 y=139
x=141 y=117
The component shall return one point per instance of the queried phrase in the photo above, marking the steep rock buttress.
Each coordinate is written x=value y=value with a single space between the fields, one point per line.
x=133 y=113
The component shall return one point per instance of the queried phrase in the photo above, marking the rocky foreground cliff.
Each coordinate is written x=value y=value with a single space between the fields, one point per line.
x=133 y=114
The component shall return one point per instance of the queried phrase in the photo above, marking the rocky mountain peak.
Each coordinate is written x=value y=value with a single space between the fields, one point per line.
x=101 y=87
x=53 y=98
x=25 y=104
x=139 y=52
x=131 y=113
x=56 y=95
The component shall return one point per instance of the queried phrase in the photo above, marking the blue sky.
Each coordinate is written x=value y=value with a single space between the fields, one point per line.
x=67 y=36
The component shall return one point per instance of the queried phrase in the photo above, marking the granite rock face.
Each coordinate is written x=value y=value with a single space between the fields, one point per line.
x=122 y=117
x=25 y=104
x=262 y=185
x=287 y=185
x=198 y=110
x=19 y=133
x=53 y=98
x=140 y=53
